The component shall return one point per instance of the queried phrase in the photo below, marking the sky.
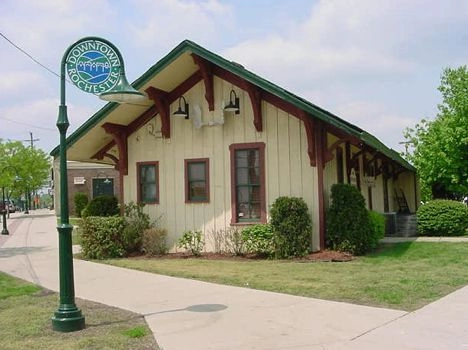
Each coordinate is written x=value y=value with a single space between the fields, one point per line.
x=374 y=63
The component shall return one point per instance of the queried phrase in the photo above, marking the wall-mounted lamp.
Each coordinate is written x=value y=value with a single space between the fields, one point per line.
x=101 y=175
x=233 y=105
x=182 y=112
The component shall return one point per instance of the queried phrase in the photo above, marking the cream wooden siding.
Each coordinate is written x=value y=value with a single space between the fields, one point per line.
x=406 y=183
x=330 y=173
x=287 y=166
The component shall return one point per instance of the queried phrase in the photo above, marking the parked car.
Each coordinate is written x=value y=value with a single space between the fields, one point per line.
x=10 y=206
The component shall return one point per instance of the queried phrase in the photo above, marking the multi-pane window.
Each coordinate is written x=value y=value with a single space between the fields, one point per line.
x=248 y=188
x=148 y=182
x=197 y=187
x=103 y=187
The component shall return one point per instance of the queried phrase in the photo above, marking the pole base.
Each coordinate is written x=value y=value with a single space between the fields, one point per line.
x=68 y=320
x=5 y=232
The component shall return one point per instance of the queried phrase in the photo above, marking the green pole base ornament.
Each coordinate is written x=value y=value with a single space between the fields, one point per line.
x=68 y=318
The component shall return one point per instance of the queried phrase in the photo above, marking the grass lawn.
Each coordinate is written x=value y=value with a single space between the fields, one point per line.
x=25 y=322
x=402 y=276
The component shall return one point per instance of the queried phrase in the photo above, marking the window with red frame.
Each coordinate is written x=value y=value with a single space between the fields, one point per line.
x=148 y=182
x=197 y=185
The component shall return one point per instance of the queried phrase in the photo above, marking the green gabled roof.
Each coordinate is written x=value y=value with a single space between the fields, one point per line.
x=237 y=69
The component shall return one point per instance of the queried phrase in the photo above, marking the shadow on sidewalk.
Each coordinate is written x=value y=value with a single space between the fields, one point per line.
x=9 y=252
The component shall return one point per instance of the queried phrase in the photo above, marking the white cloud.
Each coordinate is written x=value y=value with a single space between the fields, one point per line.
x=15 y=83
x=354 y=58
x=167 y=22
x=376 y=119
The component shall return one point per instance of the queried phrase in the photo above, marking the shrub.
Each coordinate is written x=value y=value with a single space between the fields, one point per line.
x=291 y=226
x=348 y=223
x=81 y=200
x=377 y=223
x=102 y=206
x=101 y=237
x=217 y=238
x=442 y=218
x=259 y=239
x=191 y=241
x=154 y=241
x=233 y=241
x=136 y=222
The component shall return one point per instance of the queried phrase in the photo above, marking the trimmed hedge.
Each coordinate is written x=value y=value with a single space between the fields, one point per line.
x=101 y=237
x=348 y=224
x=292 y=227
x=442 y=217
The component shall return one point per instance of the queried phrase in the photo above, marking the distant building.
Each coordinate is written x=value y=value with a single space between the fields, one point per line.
x=89 y=178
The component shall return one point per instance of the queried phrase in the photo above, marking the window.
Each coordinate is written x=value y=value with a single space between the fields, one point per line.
x=103 y=187
x=248 y=182
x=197 y=185
x=148 y=182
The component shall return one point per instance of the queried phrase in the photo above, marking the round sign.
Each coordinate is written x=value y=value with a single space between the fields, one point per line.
x=93 y=66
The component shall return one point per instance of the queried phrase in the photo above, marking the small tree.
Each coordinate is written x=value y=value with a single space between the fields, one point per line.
x=136 y=222
x=291 y=226
x=192 y=241
x=348 y=223
x=81 y=201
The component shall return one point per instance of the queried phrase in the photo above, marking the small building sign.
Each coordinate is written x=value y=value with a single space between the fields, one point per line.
x=79 y=180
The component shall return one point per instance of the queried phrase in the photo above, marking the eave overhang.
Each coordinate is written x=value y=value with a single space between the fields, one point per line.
x=179 y=65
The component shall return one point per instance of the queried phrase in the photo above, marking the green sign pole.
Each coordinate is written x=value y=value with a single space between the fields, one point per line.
x=95 y=66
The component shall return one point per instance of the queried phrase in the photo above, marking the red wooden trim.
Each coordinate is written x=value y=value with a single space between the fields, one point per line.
x=160 y=99
x=102 y=152
x=261 y=147
x=207 y=74
x=311 y=146
x=185 y=86
x=255 y=95
x=329 y=152
x=319 y=143
x=119 y=134
x=142 y=119
x=121 y=193
x=138 y=166
x=206 y=162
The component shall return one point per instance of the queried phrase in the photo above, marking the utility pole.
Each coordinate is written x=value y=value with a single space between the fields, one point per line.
x=28 y=197
x=31 y=140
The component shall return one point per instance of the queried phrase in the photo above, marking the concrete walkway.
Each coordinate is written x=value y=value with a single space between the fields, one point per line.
x=186 y=314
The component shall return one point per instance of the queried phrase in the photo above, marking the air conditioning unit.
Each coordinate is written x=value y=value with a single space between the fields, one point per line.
x=390 y=224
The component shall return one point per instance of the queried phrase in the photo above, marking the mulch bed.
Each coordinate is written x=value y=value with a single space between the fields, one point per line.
x=321 y=256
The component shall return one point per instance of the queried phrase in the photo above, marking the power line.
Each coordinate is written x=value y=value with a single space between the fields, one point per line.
x=27 y=54
x=27 y=124
x=45 y=67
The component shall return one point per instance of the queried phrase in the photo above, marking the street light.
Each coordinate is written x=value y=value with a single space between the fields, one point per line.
x=94 y=65
x=4 y=210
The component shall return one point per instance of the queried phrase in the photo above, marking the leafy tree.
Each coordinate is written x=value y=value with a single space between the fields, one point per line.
x=440 y=146
x=22 y=168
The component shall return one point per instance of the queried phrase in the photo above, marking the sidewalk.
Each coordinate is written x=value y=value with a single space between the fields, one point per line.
x=187 y=314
